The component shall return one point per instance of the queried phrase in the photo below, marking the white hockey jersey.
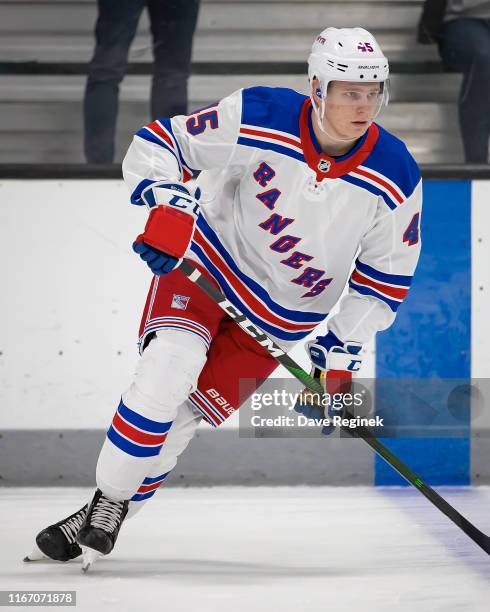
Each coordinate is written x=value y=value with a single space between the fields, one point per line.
x=281 y=222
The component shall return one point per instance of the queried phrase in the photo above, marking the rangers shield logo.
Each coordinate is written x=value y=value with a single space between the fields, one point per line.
x=180 y=301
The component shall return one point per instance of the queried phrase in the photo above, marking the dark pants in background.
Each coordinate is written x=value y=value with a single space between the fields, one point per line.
x=172 y=28
x=464 y=46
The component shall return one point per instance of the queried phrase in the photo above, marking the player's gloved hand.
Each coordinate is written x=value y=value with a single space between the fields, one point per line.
x=333 y=363
x=158 y=262
x=156 y=193
x=174 y=209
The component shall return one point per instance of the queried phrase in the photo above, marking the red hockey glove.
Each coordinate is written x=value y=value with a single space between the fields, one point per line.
x=173 y=212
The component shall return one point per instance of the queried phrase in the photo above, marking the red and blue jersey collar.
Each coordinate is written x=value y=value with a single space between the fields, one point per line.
x=324 y=165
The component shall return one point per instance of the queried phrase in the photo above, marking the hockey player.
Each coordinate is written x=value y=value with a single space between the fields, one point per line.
x=296 y=191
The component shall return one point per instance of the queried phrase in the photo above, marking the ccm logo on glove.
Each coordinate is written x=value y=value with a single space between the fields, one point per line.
x=170 y=226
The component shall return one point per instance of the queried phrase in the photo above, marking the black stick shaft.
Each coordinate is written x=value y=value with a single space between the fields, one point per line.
x=359 y=432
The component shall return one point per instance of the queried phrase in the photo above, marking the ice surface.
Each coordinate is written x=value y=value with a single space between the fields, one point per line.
x=255 y=549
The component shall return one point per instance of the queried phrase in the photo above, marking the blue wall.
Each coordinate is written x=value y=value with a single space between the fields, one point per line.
x=430 y=340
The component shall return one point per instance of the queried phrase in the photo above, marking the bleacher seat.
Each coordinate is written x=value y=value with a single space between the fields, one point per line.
x=40 y=114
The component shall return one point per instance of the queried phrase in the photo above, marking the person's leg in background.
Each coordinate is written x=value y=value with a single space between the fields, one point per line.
x=115 y=28
x=172 y=26
x=464 y=45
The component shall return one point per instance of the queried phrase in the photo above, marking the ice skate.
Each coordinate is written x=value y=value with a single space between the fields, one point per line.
x=57 y=541
x=99 y=532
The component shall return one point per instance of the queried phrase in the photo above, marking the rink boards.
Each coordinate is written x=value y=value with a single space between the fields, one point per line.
x=73 y=291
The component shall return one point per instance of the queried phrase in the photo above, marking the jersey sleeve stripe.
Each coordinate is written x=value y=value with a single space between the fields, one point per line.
x=363 y=290
x=166 y=125
x=160 y=133
x=396 y=293
x=147 y=134
x=157 y=128
x=391 y=279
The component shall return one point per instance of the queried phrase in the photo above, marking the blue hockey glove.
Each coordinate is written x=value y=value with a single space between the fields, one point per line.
x=158 y=262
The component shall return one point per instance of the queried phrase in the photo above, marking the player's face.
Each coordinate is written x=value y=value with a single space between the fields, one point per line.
x=350 y=108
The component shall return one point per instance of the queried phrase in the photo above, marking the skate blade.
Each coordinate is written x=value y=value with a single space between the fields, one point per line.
x=35 y=555
x=89 y=557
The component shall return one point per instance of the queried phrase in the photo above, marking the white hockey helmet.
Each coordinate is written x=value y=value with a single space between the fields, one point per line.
x=347 y=54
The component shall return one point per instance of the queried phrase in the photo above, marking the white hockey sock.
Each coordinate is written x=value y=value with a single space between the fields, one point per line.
x=166 y=374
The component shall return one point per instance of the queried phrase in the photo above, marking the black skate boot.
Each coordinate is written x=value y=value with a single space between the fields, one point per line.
x=101 y=527
x=57 y=541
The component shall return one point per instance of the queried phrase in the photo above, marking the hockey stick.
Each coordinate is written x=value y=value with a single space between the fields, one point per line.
x=193 y=274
